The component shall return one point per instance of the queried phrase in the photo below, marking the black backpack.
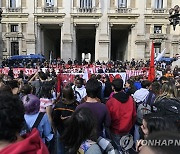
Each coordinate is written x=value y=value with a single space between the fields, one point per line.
x=169 y=108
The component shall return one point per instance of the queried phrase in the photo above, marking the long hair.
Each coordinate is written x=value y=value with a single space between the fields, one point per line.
x=78 y=128
x=168 y=90
x=45 y=89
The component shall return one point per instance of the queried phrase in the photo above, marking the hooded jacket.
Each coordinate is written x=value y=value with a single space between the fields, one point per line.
x=140 y=95
x=123 y=113
x=32 y=144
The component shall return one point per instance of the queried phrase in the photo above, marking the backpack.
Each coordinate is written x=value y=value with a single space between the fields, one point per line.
x=106 y=146
x=144 y=107
x=50 y=144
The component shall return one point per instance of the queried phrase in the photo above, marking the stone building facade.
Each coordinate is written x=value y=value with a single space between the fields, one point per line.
x=107 y=29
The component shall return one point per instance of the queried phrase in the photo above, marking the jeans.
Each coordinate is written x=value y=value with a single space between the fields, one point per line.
x=136 y=133
x=59 y=145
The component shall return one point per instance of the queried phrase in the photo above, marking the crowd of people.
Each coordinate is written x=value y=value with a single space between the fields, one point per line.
x=92 y=117
x=78 y=66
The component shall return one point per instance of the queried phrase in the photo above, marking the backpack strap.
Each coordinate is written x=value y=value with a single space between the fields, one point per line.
x=63 y=109
x=38 y=120
x=76 y=92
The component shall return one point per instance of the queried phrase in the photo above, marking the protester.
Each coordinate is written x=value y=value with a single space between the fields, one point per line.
x=163 y=145
x=129 y=87
x=64 y=108
x=168 y=90
x=122 y=111
x=140 y=97
x=80 y=133
x=11 y=122
x=108 y=88
x=161 y=96
x=79 y=89
x=32 y=106
x=103 y=117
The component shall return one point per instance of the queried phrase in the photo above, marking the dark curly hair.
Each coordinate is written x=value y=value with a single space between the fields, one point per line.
x=11 y=117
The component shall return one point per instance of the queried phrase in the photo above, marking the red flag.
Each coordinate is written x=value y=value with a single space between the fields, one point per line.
x=151 y=75
x=59 y=82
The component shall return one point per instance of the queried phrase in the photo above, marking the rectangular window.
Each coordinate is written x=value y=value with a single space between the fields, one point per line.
x=14 y=28
x=12 y=3
x=14 y=48
x=49 y=3
x=157 y=29
x=86 y=4
x=122 y=3
x=158 y=4
x=157 y=48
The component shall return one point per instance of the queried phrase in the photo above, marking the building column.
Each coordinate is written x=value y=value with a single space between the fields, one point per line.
x=20 y=39
x=38 y=38
x=30 y=41
x=140 y=50
x=102 y=53
x=74 y=50
x=97 y=43
x=129 y=48
x=66 y=32
x=175 y=48
x=152 y=29
x=141 y=18
x=132 y=44
x=42 y=41
x=8 y=44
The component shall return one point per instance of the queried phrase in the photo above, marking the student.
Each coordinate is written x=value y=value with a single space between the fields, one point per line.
x=11 y=122
x=80 y=133
x=32 y=106
x=103 y=117
x=154 y=122
x=163 y=147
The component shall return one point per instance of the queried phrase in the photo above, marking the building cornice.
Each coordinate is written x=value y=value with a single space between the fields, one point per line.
x=158 y=36
x=79 y=15
x=49 y=15
x=140 y=42
x=157 y=16
x=124 y=15
x=14 y=15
